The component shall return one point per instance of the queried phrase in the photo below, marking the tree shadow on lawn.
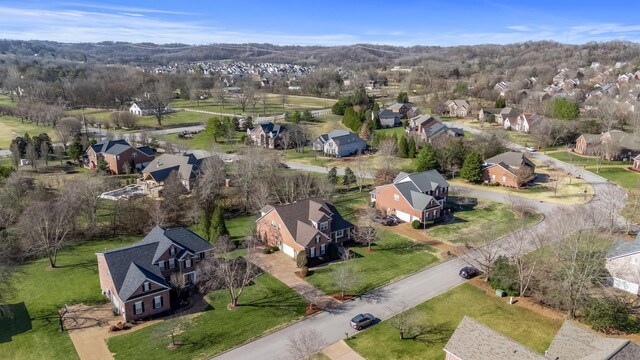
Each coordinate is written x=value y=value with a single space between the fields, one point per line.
x=17 y=322
x=90 y=265
x=279 y=299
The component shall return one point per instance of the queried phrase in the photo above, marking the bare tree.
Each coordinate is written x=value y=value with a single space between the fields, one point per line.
x=407 y=321
x=211 y=178
x=305 y=343
x=172 y=328
x=32 y=155
x=361 y=169
x=366 y=235
x=158 y=96
x=157 y=214
x=44 y=226
x=82 y=194
x=481 y=252
x=245 y=98
x=172 y=191
x=67 y=129
x=345 y=279
x=223 y=271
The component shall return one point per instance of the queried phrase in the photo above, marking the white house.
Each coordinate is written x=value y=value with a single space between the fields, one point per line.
x=623 y=264
x=339 y=143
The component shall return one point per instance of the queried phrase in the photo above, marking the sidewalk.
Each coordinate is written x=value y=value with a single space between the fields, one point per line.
x=283 y=268
x=341 y=351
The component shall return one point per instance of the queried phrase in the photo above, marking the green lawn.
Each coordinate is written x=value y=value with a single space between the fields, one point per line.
x=486 y=215
x=265 y=305
x=349 y=202
x=10 y=124
x=273 y=106
x=397 y=131
x=5 y=100
x=393 y=257
x=581 y=161
x=33 y=333
x=203 y=141
x=382 y=341
x=628 y=179
x=309 y=156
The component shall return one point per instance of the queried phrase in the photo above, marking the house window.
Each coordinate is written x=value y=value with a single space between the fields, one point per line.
x=134 y=155
x=172 y=263
x=324 y=225
x=161 y=264
x=201 y=255
x=435 y=213
x=340 y=233
x=273 y=224
x=323 y=249
x=396 y=197
x=504 y=179
x=146 y=287
x=138 y=308
x=157 y=302
x=317 y=239
x=172 y=250
x=117 y=157
x=373 y=196
x=188 y=263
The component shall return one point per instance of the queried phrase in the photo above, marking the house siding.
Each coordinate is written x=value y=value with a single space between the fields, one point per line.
x=276 y=236
x=331 y=148
x=384 y=201
x=147 y=300
x=495 y=174
x=625 y=272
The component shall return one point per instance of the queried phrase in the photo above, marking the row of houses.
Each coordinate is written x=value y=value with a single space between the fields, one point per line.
x=611 y=145
x=430 y=129
x=511 y=118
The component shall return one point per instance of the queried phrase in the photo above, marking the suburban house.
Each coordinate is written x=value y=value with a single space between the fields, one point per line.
x=611 y=145
x=417 y=196
x=526 y=121
x=512 y=169
x=623 y=264
x=401 y=108
x=120 y=157
x=458 y=108
x=488 y=114
x=186 y=166
x=636 y=163
x=267 y=135
x=308 y=226
x=474 y=341
x=389 y=118
x=138 y=108
x=429 y=129
x=507 y=113
x=137 y=278
x=339 y=143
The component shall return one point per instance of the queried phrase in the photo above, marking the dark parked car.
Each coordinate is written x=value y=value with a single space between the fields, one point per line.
x=384 y=220
x=394 y=219
x=468 y=272
x=362 y=320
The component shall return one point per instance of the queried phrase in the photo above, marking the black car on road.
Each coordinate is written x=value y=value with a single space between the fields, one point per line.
x=468 y=272
x=362 y=320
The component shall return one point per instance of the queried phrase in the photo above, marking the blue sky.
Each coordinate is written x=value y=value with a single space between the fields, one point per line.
x=326 y=22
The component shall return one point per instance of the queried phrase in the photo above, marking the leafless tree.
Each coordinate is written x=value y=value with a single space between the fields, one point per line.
x=482 y=252
x=305 y=344
x=211 y=178
x=407 y=321
x=361 y=169
x=67 y=129
x=388 y=149
x=283 y=100
x=245 y=98
x=231 y=274
x=345 y=279
x=172 y=192
x=158 y=95
x=44 y=226
x=82 y=195
x=172 y=328
x=157 y=214
x=366 y=235
x=32 y=155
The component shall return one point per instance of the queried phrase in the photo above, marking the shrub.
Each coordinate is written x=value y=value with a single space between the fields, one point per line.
x=607 y=314
x=415 y=224
x=304 y=271
x=333 y=251
x=266 y=250
x=275 y=248
x=301 y=259
x=504 y=276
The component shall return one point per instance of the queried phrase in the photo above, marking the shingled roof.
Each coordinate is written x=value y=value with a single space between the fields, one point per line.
x=512 y=159
x=187 y=165
x=130 y=266
x=621 y=247
x=113 y=147
x=572 y=342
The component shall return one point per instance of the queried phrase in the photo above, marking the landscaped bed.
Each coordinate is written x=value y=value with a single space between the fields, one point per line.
x=531 y=329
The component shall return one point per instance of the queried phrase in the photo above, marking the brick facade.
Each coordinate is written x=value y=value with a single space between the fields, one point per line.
x=389 y=200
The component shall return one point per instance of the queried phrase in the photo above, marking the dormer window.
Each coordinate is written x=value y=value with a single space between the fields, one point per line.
x=146 y=286
x=324 y=225
x=172 y=251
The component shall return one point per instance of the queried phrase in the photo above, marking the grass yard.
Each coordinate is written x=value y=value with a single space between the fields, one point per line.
x=397 y=131
x=393 y=257
x=309 y=156
x=265 y=305
x=348 y=203
x=628 y=179
x=10 y=125
x=382 y=341
x=33 y=333
x=325 y=124
x=6 y=100
x=582 y=161
x=486 y=215
x=203 y=141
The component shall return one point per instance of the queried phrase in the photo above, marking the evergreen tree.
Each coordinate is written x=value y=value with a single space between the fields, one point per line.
x=215 y=128
x=307 y=116
x=501 y=103
x=349 y=178
x=295 y=117
x=332 y=175
x=411 y=148
x=218 y=226
x=75 y=150
x=402 y=97
x=472 y=167
x=403 y=147
x=365 y=132
x=205 y=226
x=427 y=158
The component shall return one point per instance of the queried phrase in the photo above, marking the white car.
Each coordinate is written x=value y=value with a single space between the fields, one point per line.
x=530 y=149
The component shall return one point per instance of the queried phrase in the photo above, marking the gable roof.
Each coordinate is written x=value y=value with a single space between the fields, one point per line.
x=572 y=342
x=130 y=266
x=625 y=140
x=424 y=181
x=271 y=129
x=459 y=103
x=188 y=166
x=386 y=113
x=474 y=341
x=297 y=217
x=621 y=247
x=512 y=159
x=147 y=150
x=591 y=138
x=113 y=147
x=492 y=111
x=398 y=106
x=349 y=138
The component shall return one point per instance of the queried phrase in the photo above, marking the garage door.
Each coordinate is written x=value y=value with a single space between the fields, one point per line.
x=403 y=216
x=625 y=285
x=288 y=250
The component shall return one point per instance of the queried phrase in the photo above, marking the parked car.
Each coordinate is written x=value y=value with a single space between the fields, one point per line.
x=468 y=272
x=394 y=219
x=530 y=149
x=384 y=220
x=362 y=320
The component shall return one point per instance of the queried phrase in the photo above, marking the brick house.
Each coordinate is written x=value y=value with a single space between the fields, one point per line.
x=154 y=174
x=512 y=169
x=585 y=144
x=400 y=108
x=267 y=135
x=611 y=145
x=136 y=279
x=418 y=196
x=474 y=341
x=121 y=158
x=308 y=225
x=429 y=129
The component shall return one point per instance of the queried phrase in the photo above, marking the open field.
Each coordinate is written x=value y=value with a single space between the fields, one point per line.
x=10 y=125
x=392 y=257
x=264 y=305
x=40 y=292
x=486 y=215
x=382 y=341
x=272 y=106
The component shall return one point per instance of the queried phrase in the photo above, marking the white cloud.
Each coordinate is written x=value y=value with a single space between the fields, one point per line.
x=519 y=28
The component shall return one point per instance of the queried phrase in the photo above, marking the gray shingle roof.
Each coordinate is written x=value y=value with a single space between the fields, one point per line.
x=187 y=165
x=114 y=147
x=572 y=342
x=513 y=159
x=474 y=341
x=424 y=181
x=622 y=247
x=386 y=113
x=131 y=266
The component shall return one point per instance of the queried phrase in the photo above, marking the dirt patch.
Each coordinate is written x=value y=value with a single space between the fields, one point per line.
x=312 y=309
x=341 y=298
x=450 y=250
